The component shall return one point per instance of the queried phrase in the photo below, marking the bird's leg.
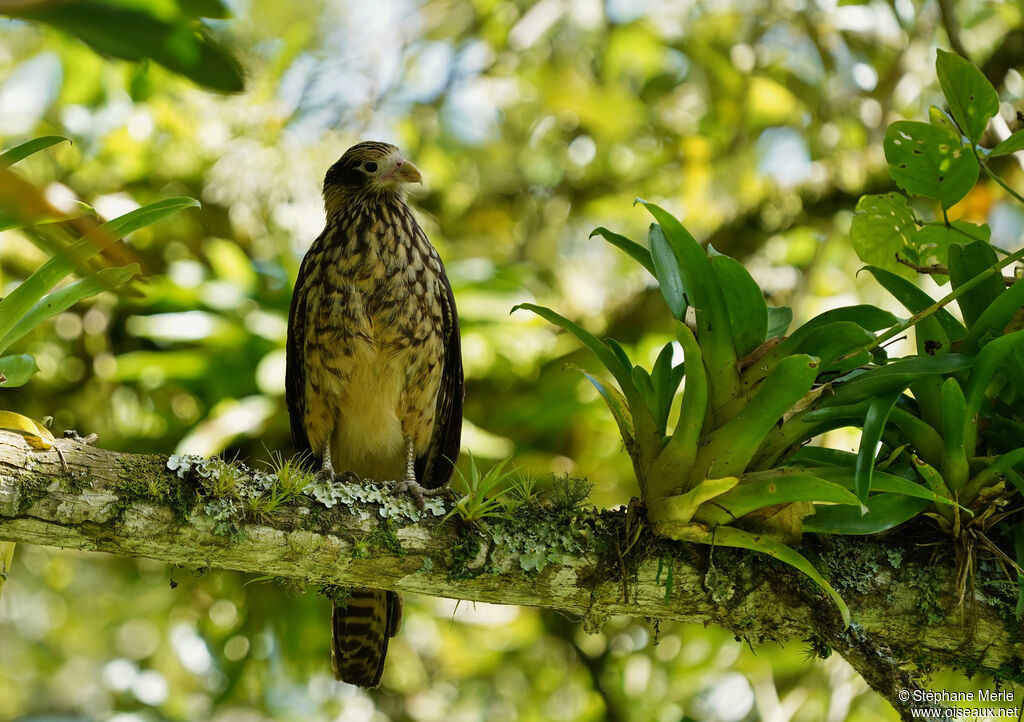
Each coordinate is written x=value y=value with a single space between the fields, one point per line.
x=409 y=483
x=327 y=470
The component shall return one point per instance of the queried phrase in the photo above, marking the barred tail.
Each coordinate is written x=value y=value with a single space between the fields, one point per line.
x=359 y=635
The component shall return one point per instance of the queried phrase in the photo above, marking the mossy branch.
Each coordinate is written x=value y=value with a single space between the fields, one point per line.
x=579 y=561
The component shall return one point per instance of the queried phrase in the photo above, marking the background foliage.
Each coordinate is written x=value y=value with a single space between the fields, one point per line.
x=759 y=126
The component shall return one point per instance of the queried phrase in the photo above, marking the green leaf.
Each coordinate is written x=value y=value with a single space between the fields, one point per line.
x=881 y=228
x=664 y=380
x=885 y=511
x=809 y=336
x=16 y=370
x=990 y=360
x=748 y=312
x=779 y=318
x=1009 y=145
x=66 y=297
x=835 y=341
x=928 y=161
x=730 y=447
x=895 y=376
x=931 y=243
x=917 y=432
x=619 y=408
x=680 y=508
x=668 y=273
x=884 y=482
x=19 y=152
x=147 y=215
x=874 y=424
x=967 y=261
x=180 y=45
x=17 y=303
x=916 y=300
x=635 y=251
x=80 y=210
x=706 y=296
x=672 y=466
x=822 y=456
x=647 y=437
x=205 y=9
x=971 y=97
x=994 y=319
x=870 y=318
x=754 y=493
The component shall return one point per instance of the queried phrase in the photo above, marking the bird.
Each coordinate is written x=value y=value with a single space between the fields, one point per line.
x=373 y=380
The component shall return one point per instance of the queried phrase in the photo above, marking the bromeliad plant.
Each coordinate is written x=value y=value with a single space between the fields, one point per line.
x=942 y=431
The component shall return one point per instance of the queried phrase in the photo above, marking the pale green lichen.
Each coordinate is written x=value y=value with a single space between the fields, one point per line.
x=357 y=495
x=535 y=543
x=230 y=490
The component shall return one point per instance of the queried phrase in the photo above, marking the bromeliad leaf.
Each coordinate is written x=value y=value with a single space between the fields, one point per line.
x=748 y=312
x=878 y=412
x=928 y=161
x=884 y=511
x=755 y=493
x=707 y=298
x=635 y=251
x=995 y=319
x=916 y=300
x=619 y=408
x=966 y=262
x=612 y=357
x=147 y=215
x=894 y=376
x=668 y=273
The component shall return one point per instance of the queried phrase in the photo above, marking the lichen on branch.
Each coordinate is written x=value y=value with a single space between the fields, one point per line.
x=565 y=556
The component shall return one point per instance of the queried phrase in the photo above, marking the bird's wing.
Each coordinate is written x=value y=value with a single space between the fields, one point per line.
x=436 y=467
x=295 y=366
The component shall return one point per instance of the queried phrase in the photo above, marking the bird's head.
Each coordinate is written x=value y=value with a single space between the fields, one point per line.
x=368 y=168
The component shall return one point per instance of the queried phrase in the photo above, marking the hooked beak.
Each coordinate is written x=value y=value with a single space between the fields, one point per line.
x=405 y=172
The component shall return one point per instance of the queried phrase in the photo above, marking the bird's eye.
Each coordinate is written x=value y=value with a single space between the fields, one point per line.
x=370 y=167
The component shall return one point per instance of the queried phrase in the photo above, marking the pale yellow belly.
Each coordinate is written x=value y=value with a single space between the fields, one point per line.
x=368 y=437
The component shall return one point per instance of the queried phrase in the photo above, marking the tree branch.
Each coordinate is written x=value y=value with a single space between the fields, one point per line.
x=548 y=556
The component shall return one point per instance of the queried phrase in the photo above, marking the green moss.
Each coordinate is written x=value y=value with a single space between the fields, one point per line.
x=145 y=478
x=463 y=551
x=385 y=537
x=931 y=584
x=338 y=595
x=852 y=565
x=33 y=488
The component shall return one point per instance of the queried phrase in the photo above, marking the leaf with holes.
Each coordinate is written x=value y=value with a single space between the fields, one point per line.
x=932 y=242
x=971 y=97
x=928 y=161
x=882 y=227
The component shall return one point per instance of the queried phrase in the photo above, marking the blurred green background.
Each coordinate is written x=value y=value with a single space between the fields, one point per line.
x=757 y=123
